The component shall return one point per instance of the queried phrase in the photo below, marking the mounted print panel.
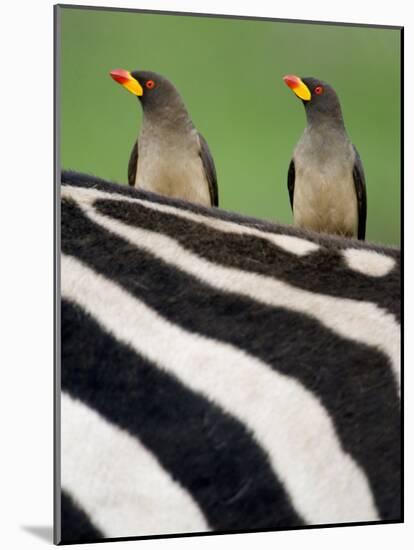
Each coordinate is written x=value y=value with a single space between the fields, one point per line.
x=229 y=274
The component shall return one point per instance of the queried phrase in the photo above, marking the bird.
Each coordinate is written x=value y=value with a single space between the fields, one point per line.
x=326 y=180
x=170 y=157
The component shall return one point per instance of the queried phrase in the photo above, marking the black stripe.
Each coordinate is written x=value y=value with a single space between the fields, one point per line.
x=354 y=382
x=323 y=271
x=207 y=451
x=76 y=526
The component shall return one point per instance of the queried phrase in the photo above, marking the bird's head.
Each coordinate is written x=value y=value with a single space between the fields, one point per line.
x=153 y=90
x=319 y=98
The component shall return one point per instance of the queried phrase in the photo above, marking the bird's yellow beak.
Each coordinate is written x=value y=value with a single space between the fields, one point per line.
x=297 y=86
x=127 y=80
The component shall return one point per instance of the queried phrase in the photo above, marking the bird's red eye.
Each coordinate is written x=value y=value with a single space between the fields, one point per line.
x=318 y=90
x=150 y=84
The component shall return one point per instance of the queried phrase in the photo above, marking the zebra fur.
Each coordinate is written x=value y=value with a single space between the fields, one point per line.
x=250 y=371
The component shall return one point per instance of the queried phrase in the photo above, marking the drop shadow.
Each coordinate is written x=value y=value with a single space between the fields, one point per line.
x=44 y=532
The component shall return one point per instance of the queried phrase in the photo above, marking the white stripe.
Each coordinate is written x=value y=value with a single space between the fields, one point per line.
x=118 y=482
x=368 y=262
x=363 y=322
x=324 y=483
x=290 y=243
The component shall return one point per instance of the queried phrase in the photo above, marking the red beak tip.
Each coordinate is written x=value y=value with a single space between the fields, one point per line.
x=291 y=80
x=119 y=75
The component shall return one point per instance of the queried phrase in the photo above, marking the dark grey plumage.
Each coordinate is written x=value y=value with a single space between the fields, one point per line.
x=291 y=182
x=360 y=188
x=210 y=170
x=326 y=181
x=132 y=165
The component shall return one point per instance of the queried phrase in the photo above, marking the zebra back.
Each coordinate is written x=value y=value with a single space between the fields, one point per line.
x=220 y=372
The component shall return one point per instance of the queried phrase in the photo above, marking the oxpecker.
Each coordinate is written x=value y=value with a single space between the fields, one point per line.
x=170 y=156
x=326 y=179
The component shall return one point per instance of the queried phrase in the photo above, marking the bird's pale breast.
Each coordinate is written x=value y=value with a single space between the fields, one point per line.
x=172 y=168
x=324 y=196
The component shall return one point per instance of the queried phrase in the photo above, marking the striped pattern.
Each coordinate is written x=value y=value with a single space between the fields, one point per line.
x=221 y=373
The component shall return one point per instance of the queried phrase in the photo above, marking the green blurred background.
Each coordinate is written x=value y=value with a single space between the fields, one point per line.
x=229 y=73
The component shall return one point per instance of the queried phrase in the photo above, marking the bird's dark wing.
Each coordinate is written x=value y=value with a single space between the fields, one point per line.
x=291 y=182
x=361 y=193
x=209 y=170
x=133 y=165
